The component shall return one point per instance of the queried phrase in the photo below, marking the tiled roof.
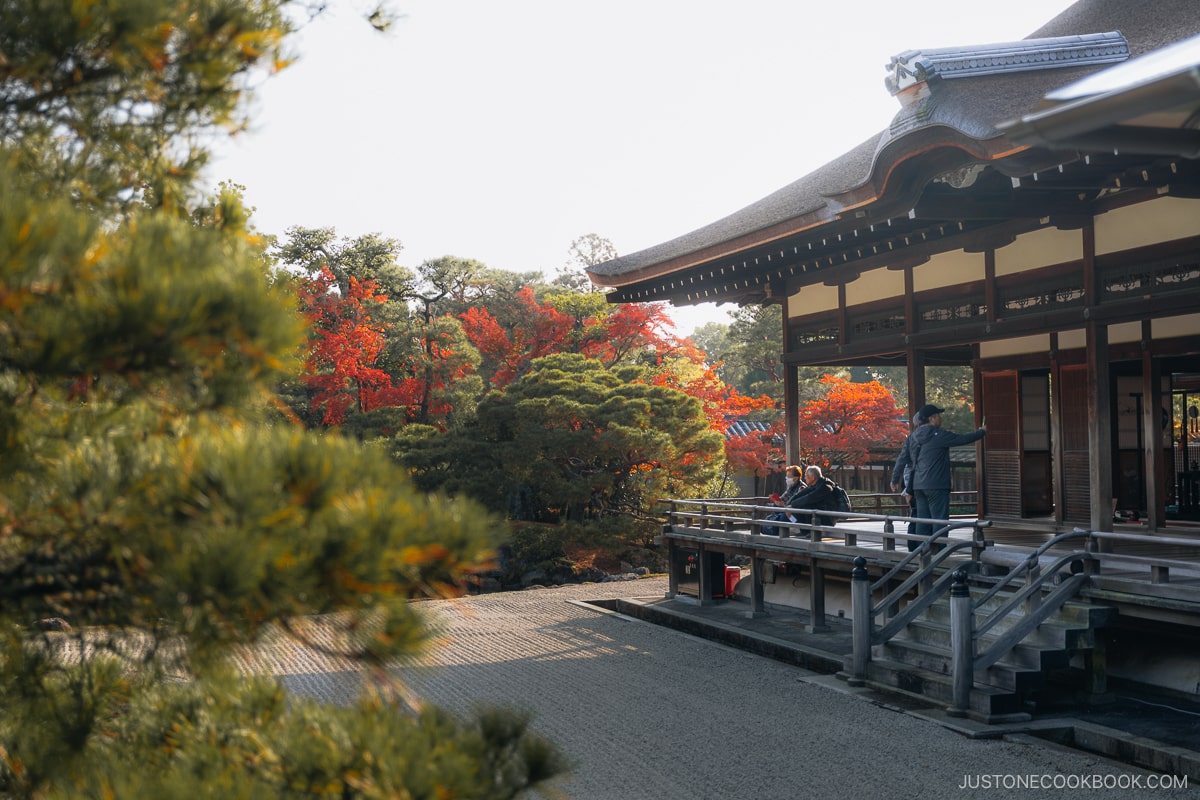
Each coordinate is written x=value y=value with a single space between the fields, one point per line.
x=742 y=427
x=960 y=113
x=1059 y=52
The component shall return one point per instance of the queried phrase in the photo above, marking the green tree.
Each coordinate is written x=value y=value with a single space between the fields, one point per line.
x=577 y=440
x=150 y=503
x=585 y=251
x=951 y=388
x=747 y=350
x=369 y=257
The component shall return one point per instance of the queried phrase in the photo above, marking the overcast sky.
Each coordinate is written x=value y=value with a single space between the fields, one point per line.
x=502 y=131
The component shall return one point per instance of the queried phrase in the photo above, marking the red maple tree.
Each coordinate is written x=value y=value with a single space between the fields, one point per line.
x=628 y=329
x=757 y=452
x=842 y=427
x=542 y=330
x=343 y=347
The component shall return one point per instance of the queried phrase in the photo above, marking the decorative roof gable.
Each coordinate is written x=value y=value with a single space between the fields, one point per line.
x=914 y=67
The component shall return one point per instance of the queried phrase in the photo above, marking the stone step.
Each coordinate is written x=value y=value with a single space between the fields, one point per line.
x=1073 y=616
x=1001 y=675
x=1047 y=636
x=986 y=703
x=1072 y=612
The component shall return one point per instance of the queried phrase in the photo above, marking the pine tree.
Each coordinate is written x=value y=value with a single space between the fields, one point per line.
x=156 y=516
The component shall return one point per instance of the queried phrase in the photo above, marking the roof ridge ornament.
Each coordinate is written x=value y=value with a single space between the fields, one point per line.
x=914 y=67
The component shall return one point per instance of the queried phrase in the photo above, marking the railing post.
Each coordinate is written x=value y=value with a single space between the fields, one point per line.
x=757 y=568
x=673 y=567
x=704 y=561
x=816 y=597
x=889 y=528
x=860 y=622
x=704 y=516
x=1092 y=545
x=962 y=644
x=755 y=515
x=925 y=559
x=1033 y=571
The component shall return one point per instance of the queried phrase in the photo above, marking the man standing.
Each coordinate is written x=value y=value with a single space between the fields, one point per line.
x=929 y=451
x=902 y=478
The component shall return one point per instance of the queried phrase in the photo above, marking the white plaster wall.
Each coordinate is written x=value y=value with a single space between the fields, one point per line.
x=1039 y=248
x=1125 y=332
x=1174 y=327
x=948 y=269
x=812 y=299
x=878 y=284
x=1072 y=340
x=1016 y=346
x=1160 y=220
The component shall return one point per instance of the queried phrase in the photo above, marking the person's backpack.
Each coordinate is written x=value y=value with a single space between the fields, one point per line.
x=841 y=500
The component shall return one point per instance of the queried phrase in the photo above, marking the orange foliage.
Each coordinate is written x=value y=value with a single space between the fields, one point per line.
x=841 y=428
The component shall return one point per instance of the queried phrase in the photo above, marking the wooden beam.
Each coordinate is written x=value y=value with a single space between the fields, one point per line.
x=1058 y=414
x=1014 y=206
x=1099 y=411
x=916 y=382
x=1152 y=432
x=791 y=412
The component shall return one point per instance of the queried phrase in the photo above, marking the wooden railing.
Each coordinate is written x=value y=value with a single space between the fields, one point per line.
x=962 y=503
x=1103 y=549
x=1040 y=584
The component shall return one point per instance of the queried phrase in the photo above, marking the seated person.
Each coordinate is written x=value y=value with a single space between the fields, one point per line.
x=818 y=495
x=792 y=477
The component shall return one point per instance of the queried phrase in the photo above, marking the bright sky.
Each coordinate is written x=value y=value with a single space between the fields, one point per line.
x=502 y=131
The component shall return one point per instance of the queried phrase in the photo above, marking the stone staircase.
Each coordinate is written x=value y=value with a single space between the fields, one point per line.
x=918 y=662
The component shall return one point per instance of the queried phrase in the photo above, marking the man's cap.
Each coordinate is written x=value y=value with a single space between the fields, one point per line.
x=928 y=411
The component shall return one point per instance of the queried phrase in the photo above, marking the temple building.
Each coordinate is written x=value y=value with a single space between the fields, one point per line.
x=1031 y=213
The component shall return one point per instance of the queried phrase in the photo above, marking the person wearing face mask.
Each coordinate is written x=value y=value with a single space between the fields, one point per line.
x=816 y=494
x=792 y=477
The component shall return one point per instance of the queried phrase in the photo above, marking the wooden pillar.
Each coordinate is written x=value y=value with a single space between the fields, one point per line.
x=915 y=359
x=1058 y=413
x=1152 y=432
x=980 y=462
x=757 y=569
x=816 y=597
x=791 y=413
x=916 y=382
x=674 y=564
x=706 y=581
x=1100 y=440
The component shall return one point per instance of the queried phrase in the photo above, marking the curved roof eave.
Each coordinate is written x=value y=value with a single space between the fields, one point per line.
x=951 y=118
x=817 y=199
x=965 y=110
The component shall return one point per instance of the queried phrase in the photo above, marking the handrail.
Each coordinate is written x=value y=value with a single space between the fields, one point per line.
x=743 y=504
x=911 y=610
x=1033 y=560
x=1160 y=566
x=1141 y=538
x=1034 y=585
x=927 y=544
x=1026 y=626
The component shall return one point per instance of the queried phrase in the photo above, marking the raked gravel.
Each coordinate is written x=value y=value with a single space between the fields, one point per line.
x=648 y=713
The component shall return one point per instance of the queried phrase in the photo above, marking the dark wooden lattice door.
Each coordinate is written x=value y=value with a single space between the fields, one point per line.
x=1002 y=447
x=1077 y=495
